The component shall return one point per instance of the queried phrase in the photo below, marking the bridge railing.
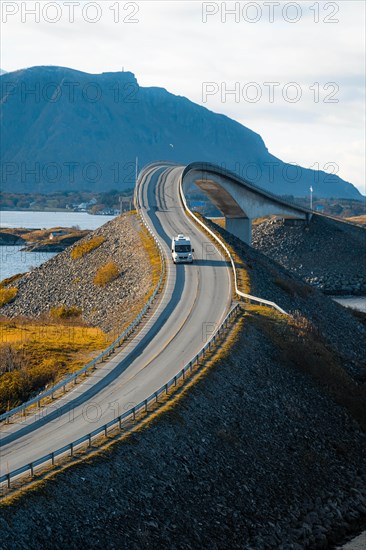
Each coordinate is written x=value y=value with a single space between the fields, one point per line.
x=219 y=170
x=241 y=294
x=121 y=420
x=73 y=378
x=142 y=407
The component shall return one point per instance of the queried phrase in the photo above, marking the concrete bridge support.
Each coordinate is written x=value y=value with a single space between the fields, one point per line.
x=241 y=228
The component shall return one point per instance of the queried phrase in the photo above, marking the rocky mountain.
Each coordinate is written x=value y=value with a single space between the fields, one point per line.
x=68 y=130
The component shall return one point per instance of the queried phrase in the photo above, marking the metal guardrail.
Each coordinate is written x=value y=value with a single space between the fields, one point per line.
x=163 y=390
x=209 y=167
x=131 y=414
x=105 y=354
x=249 y=297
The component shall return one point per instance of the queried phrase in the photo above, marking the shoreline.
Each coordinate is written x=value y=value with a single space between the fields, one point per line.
x=357 y=541
x=352 y=301
x=50 y=210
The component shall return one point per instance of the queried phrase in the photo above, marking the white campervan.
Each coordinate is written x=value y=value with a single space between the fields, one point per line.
x=182 y=249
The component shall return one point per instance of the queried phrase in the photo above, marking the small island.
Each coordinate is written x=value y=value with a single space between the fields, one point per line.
x=55 y=239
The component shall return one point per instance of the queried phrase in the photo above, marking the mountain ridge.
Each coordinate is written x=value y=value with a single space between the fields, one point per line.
x=84 y=131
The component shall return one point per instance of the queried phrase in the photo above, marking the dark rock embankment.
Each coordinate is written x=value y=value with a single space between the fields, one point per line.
x=337 y=326
x=257 y=455
x=328 y=254
x=70 y=282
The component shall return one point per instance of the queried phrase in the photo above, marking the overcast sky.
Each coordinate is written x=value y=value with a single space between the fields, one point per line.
x=313 y=51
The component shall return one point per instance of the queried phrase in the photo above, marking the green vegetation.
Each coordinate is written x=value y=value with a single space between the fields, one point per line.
x=85 y=247
x=7 y=295
x=63 y=312
x=34 y=354
x=106 y=274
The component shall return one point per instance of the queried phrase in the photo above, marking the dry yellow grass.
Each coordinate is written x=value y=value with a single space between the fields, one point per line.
x=85 y=247
x=37 y=353
x=44 y=234
x=358 y=219
x=165 y=404
x=7 y=295
x=154 y=256
x=242 y=274
x=257 y=221
x=63 y=312
x=11 y=280
x=106 y=274
x=33 y=355
x=220 y=222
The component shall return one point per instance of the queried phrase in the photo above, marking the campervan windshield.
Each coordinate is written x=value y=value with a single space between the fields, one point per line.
x=182 y=247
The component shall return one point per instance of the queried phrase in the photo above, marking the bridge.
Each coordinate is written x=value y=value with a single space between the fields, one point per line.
x=146 y=361
x=238 y=200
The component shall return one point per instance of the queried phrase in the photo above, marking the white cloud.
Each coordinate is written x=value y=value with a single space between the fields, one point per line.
x=171 y=47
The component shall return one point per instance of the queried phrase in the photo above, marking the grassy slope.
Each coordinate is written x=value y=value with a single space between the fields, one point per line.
x=35 y=354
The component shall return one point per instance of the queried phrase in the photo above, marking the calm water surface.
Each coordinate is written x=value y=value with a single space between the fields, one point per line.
x=354 y=302
x=13 y=261
x=46 y=220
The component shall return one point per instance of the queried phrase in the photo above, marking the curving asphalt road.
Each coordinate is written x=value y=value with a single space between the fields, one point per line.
x=196 y=298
